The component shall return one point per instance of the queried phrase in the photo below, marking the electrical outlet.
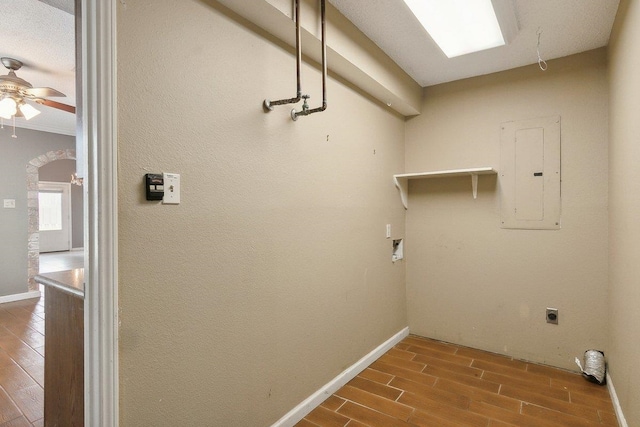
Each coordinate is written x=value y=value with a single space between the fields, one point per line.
x=552 y=315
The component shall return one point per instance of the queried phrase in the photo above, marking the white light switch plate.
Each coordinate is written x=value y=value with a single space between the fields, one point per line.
x=171 y=189
x=10 y=203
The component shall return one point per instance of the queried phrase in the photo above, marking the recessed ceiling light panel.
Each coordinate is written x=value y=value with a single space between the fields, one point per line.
x=459 y=27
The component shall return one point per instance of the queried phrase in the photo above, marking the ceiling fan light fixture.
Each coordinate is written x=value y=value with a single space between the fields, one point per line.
x=28 y=111
x=459 y=27
x=15 y=90
x=8 y=108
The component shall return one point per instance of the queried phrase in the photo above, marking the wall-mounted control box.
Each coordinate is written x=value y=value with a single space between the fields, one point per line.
x=154 y=186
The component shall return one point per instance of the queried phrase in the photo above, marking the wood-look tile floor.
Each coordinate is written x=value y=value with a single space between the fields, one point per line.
x=422 y=382
x=22 y=363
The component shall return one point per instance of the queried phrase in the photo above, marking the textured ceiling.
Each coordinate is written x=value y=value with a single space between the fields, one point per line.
x=43 y=38
x=567 y=26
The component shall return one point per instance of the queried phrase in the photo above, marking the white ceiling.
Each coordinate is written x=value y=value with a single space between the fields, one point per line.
x=568 y=27
x=43 y=38
x=40 y=33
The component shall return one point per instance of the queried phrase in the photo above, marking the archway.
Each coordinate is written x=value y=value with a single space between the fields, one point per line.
x=33 y=234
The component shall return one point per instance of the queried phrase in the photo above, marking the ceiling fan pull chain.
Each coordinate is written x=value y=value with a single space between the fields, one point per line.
x=14 y=128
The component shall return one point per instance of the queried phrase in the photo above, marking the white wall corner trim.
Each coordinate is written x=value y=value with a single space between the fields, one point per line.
x=622 y=422
x=19 y=297
x=307 y=405
x=99 y=131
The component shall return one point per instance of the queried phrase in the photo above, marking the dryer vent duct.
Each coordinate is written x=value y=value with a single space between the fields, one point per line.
x=594 y=366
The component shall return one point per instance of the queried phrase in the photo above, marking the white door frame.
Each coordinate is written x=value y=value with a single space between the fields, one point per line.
x=65 y=188
x=99 y=132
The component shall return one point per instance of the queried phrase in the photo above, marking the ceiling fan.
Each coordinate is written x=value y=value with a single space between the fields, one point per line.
x=14 y=92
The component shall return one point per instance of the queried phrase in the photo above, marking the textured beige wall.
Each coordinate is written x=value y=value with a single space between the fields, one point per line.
x=473 y=283
x=624 y=205
x=273 y=274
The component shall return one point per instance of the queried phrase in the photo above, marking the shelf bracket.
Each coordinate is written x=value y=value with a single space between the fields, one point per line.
x=402 y=184
x=474 y=185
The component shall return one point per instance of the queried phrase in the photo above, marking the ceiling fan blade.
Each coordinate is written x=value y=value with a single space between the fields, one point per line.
x=58 y=105
x=43 y=92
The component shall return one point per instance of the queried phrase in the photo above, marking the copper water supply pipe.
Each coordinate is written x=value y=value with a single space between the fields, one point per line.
x=269 y=104
x=305 y=107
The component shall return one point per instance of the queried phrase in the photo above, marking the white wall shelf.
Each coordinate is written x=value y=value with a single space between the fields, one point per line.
x=402 y=180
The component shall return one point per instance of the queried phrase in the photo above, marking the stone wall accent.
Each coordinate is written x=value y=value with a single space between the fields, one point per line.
x=33 y=234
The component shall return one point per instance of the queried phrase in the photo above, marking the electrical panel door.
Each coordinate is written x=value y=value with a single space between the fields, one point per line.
x=530 y=174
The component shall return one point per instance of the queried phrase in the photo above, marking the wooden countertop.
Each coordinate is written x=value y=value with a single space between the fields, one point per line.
x=69 y=281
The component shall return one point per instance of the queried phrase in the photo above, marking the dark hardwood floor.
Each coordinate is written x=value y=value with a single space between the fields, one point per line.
x=422 y=382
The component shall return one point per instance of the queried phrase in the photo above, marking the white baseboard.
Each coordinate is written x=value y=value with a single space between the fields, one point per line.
x=622 y=422
x=307 y=405
x=77 y=249
x=18 y=297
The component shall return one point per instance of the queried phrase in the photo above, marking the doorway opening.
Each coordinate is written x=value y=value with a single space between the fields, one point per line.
x=54 y=216
x=33 y=191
